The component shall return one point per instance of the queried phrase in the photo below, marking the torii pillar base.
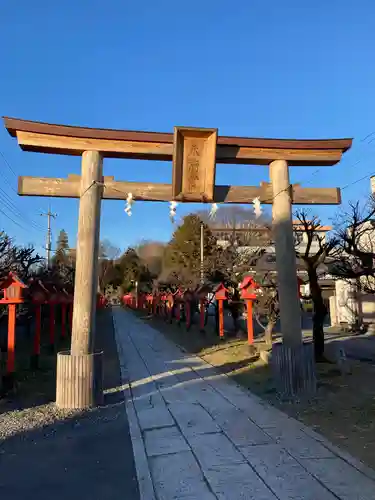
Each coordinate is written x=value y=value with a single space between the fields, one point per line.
x=79 y=380
x=293 y=370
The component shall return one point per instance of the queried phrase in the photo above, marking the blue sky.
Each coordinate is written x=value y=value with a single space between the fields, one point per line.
x=261 y=68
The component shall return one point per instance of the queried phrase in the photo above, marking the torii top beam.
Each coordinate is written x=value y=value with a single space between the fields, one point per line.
x=69 y=140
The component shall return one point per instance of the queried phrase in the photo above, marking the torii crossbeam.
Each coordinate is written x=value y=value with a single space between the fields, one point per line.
x=195 y=153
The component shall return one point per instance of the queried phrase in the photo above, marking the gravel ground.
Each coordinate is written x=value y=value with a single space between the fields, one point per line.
x=17 y=422
x=49 y=453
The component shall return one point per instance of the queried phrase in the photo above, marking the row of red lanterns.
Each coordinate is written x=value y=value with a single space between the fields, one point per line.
x=15 y=292
x=163 y=303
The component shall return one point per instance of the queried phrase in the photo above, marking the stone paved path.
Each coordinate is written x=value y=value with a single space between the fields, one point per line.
x=197 y=435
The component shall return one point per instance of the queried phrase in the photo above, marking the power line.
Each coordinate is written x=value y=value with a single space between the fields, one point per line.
x=316 y=171
x=6 y=200
x=12 y=207
x=8 y=164
x=12 y=220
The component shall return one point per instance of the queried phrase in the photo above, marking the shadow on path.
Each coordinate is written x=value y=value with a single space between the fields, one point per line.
x=87 y=455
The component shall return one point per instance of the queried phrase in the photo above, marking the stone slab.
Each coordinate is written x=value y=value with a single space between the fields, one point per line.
x=193 y=419
x=153 y=418
x=178 y=476
x=164 y=441
x=283 y=474
x=346 y=482
x=240 y=430
x=214 y=449
x=237 y=482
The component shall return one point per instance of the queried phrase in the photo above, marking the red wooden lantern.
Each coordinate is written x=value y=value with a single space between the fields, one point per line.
x=170 y=305
x=14 y=292
x=221 y=294
x=149 y=299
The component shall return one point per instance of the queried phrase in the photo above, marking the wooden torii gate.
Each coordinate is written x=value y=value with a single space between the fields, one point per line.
x=195 y=153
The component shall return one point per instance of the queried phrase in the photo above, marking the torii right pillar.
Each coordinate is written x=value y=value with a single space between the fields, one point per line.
x=292 y=359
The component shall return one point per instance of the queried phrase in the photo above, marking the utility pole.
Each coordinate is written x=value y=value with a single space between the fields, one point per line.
x=48 y=214
x=202 y=253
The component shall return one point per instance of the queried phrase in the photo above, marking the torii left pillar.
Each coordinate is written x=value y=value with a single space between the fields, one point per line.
x=79 y=371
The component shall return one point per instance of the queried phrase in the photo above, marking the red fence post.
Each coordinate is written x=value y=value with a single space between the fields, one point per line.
x=63 y=320
x=52 y=326
x=250 y=327
x=221 y=318
x=11 y=339
x=70 y=316
x=178 y=313
x=202 y=315
x=188 y=314
x=37 y=335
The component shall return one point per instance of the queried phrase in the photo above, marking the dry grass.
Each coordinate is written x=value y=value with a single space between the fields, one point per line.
x=343 y=409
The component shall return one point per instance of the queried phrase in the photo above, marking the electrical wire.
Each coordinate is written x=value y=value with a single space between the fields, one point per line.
x=316 y=171
x=8 y=202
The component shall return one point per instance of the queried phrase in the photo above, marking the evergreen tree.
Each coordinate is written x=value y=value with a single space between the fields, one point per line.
x=62 y=248
x=182 y=254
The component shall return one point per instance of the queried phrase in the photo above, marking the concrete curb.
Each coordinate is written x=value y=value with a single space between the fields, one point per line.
x=145 y=484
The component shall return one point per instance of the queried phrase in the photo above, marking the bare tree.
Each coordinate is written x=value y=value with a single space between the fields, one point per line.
x=356 y=237
x=24 y=261
x=151 y=254
x=267 y=304
x=317 y=249
x=108 y=254
x=240 y=225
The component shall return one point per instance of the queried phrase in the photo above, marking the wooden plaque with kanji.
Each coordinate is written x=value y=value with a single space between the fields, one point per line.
x=194 y=159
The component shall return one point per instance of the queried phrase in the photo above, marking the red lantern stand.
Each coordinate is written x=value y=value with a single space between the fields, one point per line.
x=155 y=303
x=248 y=294
x=64 y=301
x=165 y=306
x=149 y=299
x=141 y=301
x=202 y=293
x=14 y=292
x=126 y=299
x=101 y=301
x=221 y=294
x=162 y=299
x=70 y=296
x=52 y=301
x=187 y=298
x=39 y=295
x=170 y=306
x=177 y=296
